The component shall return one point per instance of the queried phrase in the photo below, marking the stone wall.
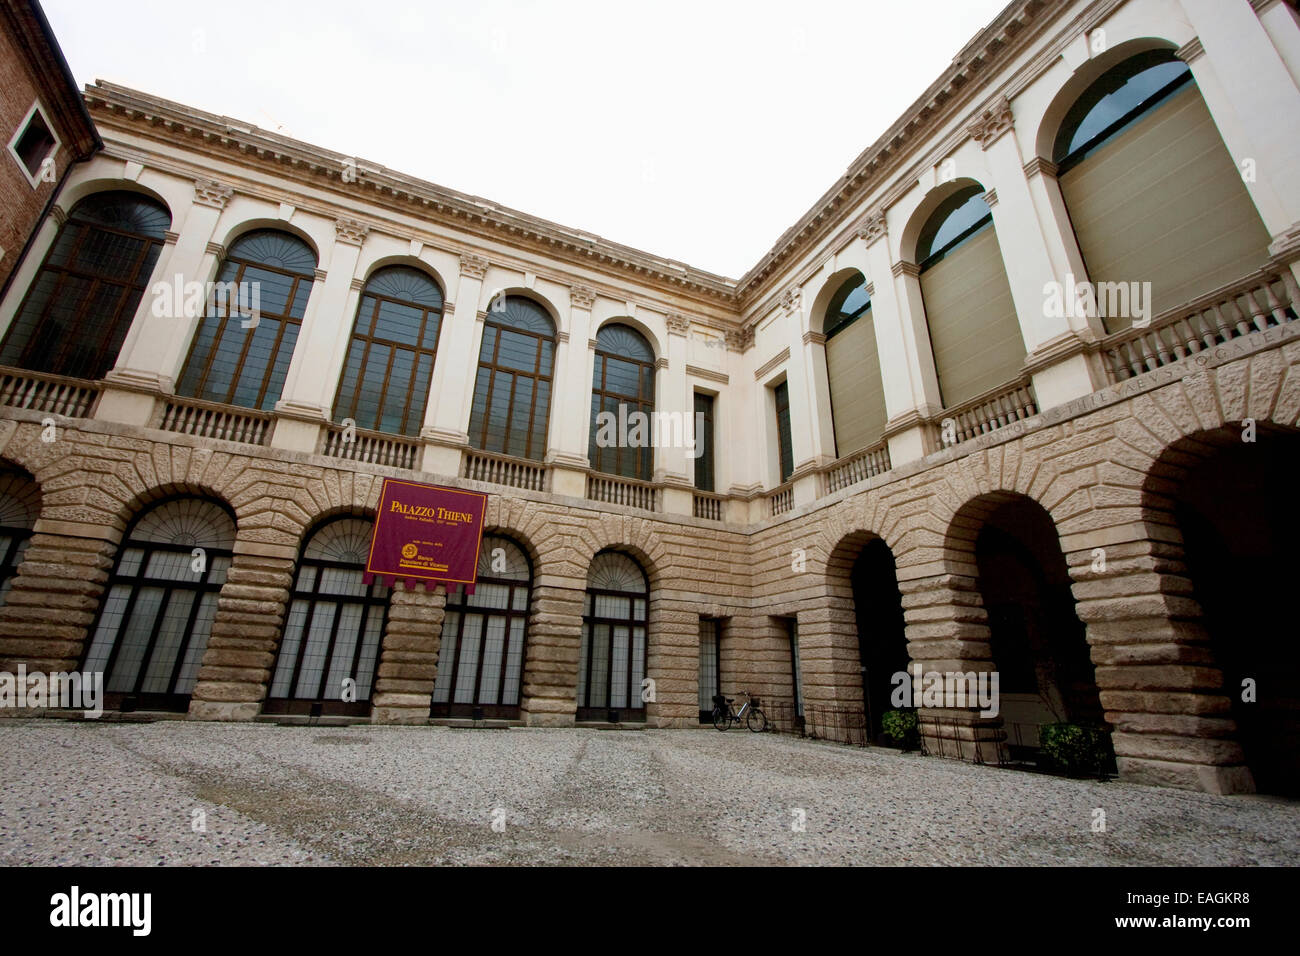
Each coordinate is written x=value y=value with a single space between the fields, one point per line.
x=1102 y=475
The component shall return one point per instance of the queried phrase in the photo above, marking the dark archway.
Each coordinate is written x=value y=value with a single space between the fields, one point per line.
x=882 y=639
x=1238 y=537
x=1038 y=644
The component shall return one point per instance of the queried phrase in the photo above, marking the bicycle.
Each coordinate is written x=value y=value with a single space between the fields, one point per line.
x=724 y=715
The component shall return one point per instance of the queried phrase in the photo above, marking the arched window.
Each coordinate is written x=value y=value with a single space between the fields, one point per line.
x=1153 y=194
x=512 y=393
x=623 y=386
x=157 y=614
x=232 y=360
x=385 y=383
x=853 y=368
x=974 y=333
x=334 y=628
x=481 y=659
x=20 y=506
x=611 y=665
x=76 y=314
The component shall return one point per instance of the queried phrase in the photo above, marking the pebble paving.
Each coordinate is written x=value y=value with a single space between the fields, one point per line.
x=127 y=793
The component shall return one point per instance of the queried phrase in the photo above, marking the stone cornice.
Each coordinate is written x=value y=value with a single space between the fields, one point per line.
x=708 y=374
x=1015 y=28
x=200 y=131
x=773 y=362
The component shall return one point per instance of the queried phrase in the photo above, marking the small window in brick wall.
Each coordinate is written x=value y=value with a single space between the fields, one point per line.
x=33 y=143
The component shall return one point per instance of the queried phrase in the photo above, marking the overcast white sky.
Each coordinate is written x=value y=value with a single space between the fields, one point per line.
x=698 y=131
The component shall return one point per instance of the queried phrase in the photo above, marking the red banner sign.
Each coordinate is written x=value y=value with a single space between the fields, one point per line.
x=426 y=533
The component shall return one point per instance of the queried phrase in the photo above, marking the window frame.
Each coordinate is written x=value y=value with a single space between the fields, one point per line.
x=785 y=467
x=493 y=367
x=285 y=320
x=410 y=427
x=705 y=443
x=37 y=108
x=644 y=457
x=135 y=283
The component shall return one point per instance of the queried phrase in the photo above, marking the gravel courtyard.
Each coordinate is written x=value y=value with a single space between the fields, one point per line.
x=120 y=793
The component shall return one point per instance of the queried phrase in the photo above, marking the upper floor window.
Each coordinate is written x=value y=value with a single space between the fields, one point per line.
x=512 y=392
x=784 y=443
x=623 y=386
x=1115 y=102
x=705 y=479
x=958 y=218
x=857 y=391
x=385 y=384
x=33 y=144
x=75 y=316
x=848 y=304
x=1160 y=210
x=236 y=359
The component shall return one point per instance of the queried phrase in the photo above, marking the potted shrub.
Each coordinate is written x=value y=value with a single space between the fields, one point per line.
x=901 y=727
x=1075 y=749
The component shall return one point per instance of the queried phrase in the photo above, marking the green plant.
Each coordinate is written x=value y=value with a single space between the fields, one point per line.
x=1075 y=748
x=901 y=726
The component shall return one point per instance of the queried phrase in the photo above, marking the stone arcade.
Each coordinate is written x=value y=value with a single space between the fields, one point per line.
x=906 y=454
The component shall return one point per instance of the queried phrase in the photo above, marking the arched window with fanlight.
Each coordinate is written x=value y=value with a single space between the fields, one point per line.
x=332 y=635
x=612 y=661
x=20 y=506
x=484 y=634
x=622 y=395
x=385 y=383
x=238 y=358
x=853 y=368
x=974 y=333
x=76 y=314
x=512 y=391
x=1153 y=194
x=157 y=613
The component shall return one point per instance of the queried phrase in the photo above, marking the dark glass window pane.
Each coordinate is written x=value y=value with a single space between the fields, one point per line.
x=784 y=443
x=703 y=425
x=511 y=417
x=249 y=365
x=76 y=313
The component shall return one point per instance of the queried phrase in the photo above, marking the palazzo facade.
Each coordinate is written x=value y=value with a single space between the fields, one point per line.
x=920 y=446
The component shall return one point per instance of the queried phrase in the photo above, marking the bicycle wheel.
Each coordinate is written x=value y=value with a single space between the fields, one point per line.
x=756 y=721
x=721 y=718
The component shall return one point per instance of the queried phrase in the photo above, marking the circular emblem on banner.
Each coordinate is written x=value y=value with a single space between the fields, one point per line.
x=409 y=550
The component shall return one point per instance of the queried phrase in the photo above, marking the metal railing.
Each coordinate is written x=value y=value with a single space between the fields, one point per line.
x=210 y=420
x=842 y=725
x=371 y=447
x=40 y=392
x=503 y=470
x=867 y=463
x=1266 y=299
x=623 y=491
